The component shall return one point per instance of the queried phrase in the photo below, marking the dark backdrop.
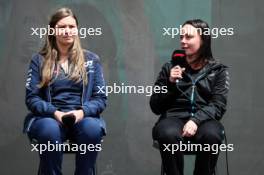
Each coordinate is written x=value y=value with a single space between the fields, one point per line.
x=132 y=50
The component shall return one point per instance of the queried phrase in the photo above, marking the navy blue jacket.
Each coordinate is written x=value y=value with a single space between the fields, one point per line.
x=38 y=100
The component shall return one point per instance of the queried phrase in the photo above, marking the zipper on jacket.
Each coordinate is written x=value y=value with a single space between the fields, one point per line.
x=49 y=94
x=194 y=86
x=87 y=74
x=192 y=100
x=83 y=92
x=193 y=91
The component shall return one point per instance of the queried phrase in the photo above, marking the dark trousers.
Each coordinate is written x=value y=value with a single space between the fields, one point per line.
x=48 y=130
x=168 y=130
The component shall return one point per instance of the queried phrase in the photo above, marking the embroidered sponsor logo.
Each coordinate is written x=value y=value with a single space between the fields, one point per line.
x=29 y=75
x=211 y=75
x=88 y=64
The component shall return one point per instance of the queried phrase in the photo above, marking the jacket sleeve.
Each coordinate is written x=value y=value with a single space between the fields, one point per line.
x=160 y=102
x=34 y=100
x=97 y=103
x=217 y=104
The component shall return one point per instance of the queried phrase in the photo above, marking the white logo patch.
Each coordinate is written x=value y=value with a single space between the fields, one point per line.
x=88 y=64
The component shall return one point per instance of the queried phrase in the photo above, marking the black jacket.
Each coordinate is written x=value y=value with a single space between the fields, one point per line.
x=199 y=96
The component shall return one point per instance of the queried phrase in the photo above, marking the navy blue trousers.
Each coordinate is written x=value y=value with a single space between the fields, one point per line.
x=48 y=130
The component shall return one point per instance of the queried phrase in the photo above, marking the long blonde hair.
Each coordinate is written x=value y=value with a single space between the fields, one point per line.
x=51 y=54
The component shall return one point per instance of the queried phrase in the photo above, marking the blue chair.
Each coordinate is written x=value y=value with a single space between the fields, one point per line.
x=70 y=151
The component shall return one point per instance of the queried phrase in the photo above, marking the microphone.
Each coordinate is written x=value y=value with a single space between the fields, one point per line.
x=178 y=58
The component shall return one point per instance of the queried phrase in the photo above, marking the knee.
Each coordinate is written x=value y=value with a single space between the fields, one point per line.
x=210 y=132
x=46 y=129
x=212 y=138
x=166 y=135
x=89 y=129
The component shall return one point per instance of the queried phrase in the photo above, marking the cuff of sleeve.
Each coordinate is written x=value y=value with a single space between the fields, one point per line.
x=52 y=110
x=196 y=120
x=88 y=112
x=171 y=86
x=85 y=110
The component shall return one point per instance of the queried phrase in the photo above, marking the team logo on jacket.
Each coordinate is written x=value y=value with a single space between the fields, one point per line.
x=212 y=74
x=29 y=77
x=89 y=64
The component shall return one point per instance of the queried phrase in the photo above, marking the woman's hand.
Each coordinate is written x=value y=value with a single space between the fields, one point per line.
x=58 y=115
x=176 y=73
x=79 y=114
x=189 y=129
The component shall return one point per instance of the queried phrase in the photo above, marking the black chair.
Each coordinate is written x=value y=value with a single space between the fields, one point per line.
x=156 y=145
x=68 y=121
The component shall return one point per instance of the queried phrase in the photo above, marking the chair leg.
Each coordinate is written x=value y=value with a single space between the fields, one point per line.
x=162 y=172
x=95 y=169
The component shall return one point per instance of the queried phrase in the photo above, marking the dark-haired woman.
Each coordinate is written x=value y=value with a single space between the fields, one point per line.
x=64 y=79
x=192 y=107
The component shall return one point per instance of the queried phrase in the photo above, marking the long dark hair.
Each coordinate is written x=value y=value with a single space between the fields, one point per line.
x=205 y=51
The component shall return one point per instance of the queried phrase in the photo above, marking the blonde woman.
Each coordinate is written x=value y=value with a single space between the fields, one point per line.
x=64 y=81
